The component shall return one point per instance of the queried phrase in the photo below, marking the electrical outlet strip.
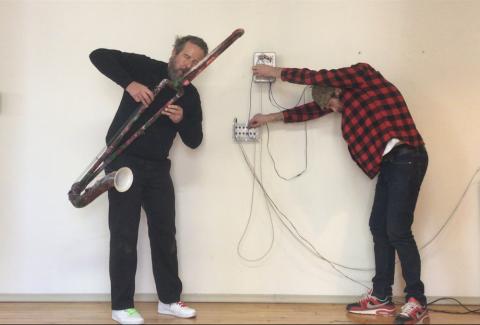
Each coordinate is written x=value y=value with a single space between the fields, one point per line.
x=242 y=133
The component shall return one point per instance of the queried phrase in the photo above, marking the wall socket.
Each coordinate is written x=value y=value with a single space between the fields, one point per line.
x=242 y=133
x=267 y=58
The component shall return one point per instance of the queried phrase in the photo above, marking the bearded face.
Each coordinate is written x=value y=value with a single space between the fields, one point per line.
x=180 y=63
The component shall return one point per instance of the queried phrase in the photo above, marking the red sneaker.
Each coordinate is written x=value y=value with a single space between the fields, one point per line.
x=371 y=305
x=412 y=312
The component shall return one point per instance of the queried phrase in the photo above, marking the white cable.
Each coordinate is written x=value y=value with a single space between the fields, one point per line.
x=272 y=240
x=290 y=226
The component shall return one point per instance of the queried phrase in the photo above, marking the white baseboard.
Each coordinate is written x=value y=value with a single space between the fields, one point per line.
x=195 y=297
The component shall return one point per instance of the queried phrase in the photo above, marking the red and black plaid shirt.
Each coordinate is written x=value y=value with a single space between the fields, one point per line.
x=374 y=111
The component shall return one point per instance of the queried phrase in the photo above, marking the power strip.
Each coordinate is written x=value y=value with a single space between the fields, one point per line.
x=242 y=133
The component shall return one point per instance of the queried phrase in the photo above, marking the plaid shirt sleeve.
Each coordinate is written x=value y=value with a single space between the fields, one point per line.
x=304 y=113
x=355 y=76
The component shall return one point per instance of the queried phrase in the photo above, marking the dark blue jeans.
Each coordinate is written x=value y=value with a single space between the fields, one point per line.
x=401 y=175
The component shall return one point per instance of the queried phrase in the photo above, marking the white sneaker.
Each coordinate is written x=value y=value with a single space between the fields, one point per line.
x=177 y=309
x=127 y=316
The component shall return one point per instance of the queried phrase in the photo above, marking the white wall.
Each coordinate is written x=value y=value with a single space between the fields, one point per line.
x=55 y=108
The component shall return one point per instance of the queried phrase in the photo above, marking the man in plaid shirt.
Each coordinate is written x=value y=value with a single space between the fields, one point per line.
x=383 y=140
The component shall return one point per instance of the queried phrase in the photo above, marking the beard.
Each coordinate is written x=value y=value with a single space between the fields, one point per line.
x=173 y=72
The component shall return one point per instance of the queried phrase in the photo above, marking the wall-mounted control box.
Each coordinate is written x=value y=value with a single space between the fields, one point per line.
x=267 y=58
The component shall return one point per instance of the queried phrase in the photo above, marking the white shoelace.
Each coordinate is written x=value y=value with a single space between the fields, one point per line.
x=408 y=307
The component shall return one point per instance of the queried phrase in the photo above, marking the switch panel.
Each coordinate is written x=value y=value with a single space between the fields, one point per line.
x=267 y=58
x=242 y=133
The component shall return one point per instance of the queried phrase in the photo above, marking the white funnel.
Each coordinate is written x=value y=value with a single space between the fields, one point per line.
x=123 y=179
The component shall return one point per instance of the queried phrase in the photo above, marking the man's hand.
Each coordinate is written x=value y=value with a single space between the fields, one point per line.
x=261 y=119
x=174 y=112
x=140 y=93
x=262 y=70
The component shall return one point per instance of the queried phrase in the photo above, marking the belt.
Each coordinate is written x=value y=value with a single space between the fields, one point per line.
x=404 y=148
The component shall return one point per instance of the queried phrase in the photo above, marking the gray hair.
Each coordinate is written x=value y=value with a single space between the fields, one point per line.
x=181 y=41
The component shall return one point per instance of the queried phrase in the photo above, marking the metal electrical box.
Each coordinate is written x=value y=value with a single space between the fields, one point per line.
x=267 y=58
x=242 y=133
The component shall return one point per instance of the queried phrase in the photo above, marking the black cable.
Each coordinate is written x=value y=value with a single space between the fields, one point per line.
x=274 y=103
x=277 y=105
x=468 y=310
x=273 y=159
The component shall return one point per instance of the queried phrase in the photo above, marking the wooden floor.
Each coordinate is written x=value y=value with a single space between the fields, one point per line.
x=210 y=313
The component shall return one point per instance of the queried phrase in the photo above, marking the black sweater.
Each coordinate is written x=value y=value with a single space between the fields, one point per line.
x=155 y=144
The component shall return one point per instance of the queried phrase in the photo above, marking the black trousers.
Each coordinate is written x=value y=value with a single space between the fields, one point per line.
x=152 y=189
x=401 y=175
